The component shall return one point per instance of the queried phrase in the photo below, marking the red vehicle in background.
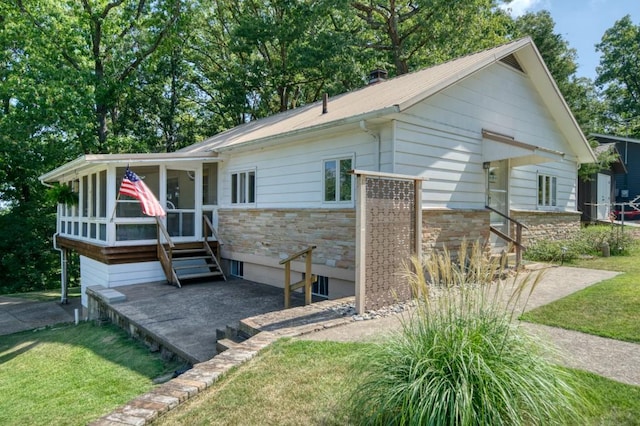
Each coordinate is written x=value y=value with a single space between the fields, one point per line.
x=629 y=214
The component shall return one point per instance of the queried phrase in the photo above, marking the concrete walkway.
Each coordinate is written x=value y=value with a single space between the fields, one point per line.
x=610 y=358
x=21 y=314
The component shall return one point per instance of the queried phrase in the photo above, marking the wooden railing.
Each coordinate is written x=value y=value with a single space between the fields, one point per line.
x=306 y=282
x=165 y=252
x=209 y=229
x=517 y=241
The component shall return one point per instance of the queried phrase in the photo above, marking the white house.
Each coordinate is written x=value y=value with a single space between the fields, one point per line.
x=489 y=129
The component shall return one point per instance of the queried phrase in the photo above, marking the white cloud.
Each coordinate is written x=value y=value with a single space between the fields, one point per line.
x=520 y=7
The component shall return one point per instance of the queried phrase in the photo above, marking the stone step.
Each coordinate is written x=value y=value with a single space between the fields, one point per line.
x=226 y=344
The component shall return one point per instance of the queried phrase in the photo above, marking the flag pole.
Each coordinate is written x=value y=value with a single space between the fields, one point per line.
x=115 y=206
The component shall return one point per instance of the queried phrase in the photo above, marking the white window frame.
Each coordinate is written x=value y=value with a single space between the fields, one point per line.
x=241 y=187
x=547 y=191
x=337 y=200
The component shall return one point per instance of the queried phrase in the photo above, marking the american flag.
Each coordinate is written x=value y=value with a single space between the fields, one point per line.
x=136 y=188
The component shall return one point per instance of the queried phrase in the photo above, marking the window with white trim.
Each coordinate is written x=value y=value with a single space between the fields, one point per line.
x=243 y=187
x=337 y=182
x=547 y=191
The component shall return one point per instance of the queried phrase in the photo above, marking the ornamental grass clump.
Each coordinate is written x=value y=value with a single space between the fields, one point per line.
x=461 y=358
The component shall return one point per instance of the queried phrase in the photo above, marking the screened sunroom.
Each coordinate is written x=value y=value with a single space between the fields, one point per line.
x=108 y=230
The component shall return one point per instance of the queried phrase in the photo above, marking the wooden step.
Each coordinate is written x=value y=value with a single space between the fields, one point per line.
x=190 y=253
x=197 y=276
x=177 y=265
x=181 y=259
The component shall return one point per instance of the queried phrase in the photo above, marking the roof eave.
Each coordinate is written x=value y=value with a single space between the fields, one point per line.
x=93 y=159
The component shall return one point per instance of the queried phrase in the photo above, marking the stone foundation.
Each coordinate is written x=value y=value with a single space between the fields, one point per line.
x=547 y=226
x=276 y=234
x=448 y=228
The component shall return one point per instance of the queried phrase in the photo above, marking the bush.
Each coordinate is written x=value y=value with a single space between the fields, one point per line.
x=593 y=237
x=463 y=360
x=588 y=241
x=553 y=251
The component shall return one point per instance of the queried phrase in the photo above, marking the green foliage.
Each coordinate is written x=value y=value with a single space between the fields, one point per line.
x=462 y=360
x=619 y=74
x=588 y=241
x=63 y=194
x=28 y=260
x=409 y=35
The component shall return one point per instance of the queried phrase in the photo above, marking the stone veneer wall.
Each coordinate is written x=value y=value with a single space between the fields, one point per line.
x=278 y=233
x=547 y=226
x=448 y=228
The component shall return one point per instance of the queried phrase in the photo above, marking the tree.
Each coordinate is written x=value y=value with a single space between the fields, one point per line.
x=289 y=52
x=101 y=44
x=410 y=34
x=619 y=75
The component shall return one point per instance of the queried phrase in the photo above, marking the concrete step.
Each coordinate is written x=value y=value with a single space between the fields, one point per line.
x=225 y=344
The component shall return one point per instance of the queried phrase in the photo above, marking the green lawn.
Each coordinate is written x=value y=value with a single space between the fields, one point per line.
x=308 y=383
x=71 y=375
x=609 y=309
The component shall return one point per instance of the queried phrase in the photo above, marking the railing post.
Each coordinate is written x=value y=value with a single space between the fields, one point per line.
x=307 y=279
x=518 y=246
x=306 y=282
x=287 y=285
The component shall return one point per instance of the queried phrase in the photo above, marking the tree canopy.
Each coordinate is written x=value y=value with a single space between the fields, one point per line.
x=619 y=76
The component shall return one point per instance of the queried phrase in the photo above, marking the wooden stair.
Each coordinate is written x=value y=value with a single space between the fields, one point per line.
x=190 y=261
x=195 y=263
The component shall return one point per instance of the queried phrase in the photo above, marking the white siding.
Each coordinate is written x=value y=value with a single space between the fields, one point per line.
x=93 y=272
x=441 y=139
x=451 y=163
x=291 y=176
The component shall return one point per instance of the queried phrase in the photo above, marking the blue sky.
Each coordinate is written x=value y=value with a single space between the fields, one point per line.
x=582 y=23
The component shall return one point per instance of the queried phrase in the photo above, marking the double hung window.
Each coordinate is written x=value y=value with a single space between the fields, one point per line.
x=243 y=187
x=547 y=191
x=337 y=182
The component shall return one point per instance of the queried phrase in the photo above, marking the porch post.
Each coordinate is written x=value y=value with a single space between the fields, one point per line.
x=361 y=240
